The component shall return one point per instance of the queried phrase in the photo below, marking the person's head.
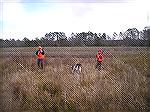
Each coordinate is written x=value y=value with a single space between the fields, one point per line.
x=39 y=47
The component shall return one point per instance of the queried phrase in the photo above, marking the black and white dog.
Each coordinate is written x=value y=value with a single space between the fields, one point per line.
x=76 y=68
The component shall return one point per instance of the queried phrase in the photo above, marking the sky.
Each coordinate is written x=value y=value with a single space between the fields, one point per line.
x=35 y=18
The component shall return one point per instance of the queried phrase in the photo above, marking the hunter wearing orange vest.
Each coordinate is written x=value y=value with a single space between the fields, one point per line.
x=100 y=58
x=40 y=57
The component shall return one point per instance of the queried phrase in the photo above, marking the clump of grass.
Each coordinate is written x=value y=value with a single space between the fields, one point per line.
x=51 y=88
x=140 y=61
x=117 y=87
x=52 y=99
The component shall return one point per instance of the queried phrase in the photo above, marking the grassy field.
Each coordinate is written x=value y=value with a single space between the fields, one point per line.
x=121 y=86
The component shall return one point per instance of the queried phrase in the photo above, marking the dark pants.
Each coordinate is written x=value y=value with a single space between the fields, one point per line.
x=98 y=65
x=40 y=63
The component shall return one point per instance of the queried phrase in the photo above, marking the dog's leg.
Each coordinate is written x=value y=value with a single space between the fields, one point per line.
x=73 y=69
x=80 y=69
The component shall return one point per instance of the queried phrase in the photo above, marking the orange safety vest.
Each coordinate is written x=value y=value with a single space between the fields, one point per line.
x=40 y=55
x=100 y=57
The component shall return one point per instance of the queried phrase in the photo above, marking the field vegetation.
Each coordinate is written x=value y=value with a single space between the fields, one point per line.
x=121 y=86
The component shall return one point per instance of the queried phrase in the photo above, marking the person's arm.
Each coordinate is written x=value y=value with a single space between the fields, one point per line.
x=43 y=52
x=97 y=56
x=36 y=53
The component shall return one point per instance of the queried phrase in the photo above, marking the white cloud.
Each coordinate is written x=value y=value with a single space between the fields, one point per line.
x=72 y=17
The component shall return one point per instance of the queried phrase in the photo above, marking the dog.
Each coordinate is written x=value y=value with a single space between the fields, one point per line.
x=76 y=68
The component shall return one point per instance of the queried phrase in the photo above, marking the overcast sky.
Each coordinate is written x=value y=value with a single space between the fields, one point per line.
x=35 y=18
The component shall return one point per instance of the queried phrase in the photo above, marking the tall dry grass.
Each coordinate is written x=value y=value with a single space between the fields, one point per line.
x=118 y=87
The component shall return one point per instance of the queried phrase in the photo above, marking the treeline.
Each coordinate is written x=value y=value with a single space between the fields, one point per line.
x=131 y=37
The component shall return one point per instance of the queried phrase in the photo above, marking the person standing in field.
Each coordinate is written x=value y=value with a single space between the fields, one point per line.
x=100 y=58
x=40 y=57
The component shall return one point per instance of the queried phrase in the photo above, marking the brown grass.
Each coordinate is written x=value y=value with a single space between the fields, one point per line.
x=118 y=87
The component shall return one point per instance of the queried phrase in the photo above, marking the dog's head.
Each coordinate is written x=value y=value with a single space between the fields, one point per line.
x=78 y=64
x=72 y=66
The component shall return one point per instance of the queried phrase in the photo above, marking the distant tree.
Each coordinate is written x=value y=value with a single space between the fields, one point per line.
x=38 y=42
x=60 y=38
x=120 y=35
x=34 y=43
x=18 y=43
x=131 y=37
x=84 y=38
x=73 y=35
x=48 y=39
x=89 y=33
x=142 y=35
x=99 y=34
x=97 y=40
x=132 y=33
x=1 y=43
x=57 y=35
x=49 y=36
x=79 y=39
x=63 y=42
x=63 y=39
x=13 y=43
x=26 y=42
x=6 y=43
x=108 y=37
x=114 y=36
x=103 y=37
x=147 y=34
x=71 y=39
x=90 y=39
